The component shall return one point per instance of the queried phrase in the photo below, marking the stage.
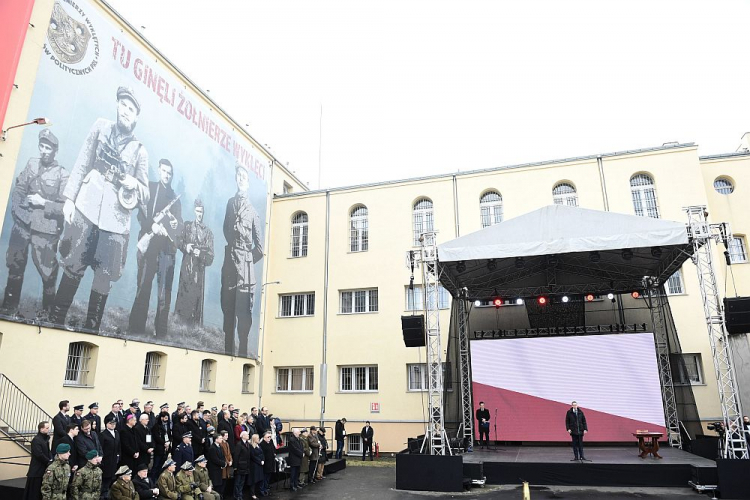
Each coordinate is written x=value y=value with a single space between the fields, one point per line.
x=609 y=466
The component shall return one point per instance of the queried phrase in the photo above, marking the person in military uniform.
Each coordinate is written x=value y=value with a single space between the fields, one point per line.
x=183 y=452
x=244 y=248
x=203 y=480
x=87 y=484
x=37 y=211
x=197 y=246
x=166 y=483
x=76 y=417
x=57 y=476
x=187 y=485
x=107 y=181
x=93 y=416
x=123 y=488
x=159 y=256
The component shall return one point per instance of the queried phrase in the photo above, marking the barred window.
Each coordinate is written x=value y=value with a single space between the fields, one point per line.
x=152 y=371
x=298 y=304
x=299 y=235
x=248 y=378
x=355 y=443
x=491 y=208
x=78 y=364
x=722 y=185
x=359 y=301
x=689 y=369
x=422 y=218
x=359 y=235
x=417 y=376
x=737 y=251
x=565 y=194
x=358 y=379
x=674 y=283
x=415 y=298
x=207 y=380
x=644 y=196
x=294 y=379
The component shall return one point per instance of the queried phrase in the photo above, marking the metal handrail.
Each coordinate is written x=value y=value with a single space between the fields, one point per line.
x=19 y=414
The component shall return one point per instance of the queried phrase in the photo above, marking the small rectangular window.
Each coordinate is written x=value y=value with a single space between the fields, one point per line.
x=689 y=369
x=298 y=304
x=417 y=377
x=206 y=380
x=358 y=379
x=247 y=379
x=737 y=252
x=415 y=298
x=358 y=301
x=294 y=379
x=355 y=443
x=674 y=284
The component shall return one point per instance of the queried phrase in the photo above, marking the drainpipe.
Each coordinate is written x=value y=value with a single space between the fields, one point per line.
x=605 y=197
x=455 y=206
x=261 y=356
x=323 y=366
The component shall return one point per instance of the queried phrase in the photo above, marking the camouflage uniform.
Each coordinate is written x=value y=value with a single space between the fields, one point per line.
x=98 y=235
x=55 y=481
x=87 y=484
x=244 y=248
x=167 y=486
x=200 y=476
x=36 y=226
x=123 y=490
x=184 y=487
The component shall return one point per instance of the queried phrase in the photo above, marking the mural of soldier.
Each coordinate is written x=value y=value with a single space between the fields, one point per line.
x=108 y=179
x=244 y=248
x=197 y=246
x=161 y=224
x=37 y=211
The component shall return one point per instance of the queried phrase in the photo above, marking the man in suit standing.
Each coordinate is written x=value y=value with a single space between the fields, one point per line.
x=41 y=456
x=575 y=423
x=60 y=423
x=367 y=434
x=483 y=424
x=110 y=440
x=129 y=441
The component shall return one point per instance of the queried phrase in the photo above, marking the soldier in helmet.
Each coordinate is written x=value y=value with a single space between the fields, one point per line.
x=107 y=181
x=197 y=246
x=87 y=484
x=57 y=476
x=37 y=210
x=187 y=486
x=244 y=248
x=167 y=484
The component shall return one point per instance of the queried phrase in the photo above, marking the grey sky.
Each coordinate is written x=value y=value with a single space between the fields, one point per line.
x=411 y=88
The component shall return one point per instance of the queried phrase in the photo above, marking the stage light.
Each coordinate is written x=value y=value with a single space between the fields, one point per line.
x=461 y=266
x=565 y=298
x=635 y=294
x=519 y=302
x=627 y=254
x=542 y=300
x=491 y=265
x=656 y=252
x=477 y=303
x=590 y=297
x=595 y=257
x=497 y=302
x=520 y=263
x=611 y=296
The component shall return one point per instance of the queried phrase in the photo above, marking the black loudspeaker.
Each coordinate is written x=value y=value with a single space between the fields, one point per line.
x=413 y=328
x=733 y=474
x=737 y=314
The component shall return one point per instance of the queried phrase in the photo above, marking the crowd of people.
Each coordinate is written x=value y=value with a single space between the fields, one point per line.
x=187 y=454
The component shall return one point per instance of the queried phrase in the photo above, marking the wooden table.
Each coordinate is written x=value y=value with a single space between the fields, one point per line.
x=648 y=443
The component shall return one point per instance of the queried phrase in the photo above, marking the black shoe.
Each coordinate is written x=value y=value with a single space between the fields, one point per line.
x=574 y=459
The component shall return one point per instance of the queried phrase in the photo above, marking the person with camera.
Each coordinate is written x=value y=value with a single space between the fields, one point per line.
x=575 y=423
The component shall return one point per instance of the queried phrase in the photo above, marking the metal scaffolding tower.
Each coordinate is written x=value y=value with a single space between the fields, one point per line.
x=701 y=235
x=466 y=429
x=656 y=298
x=436 y=439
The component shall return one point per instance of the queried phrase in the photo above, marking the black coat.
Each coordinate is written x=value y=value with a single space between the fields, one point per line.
x=178 y=429
x=73 y=459
x=143 y=486
x=118 y=420
x=142 y=437
x=296 y=451
x=575 y=423
x=161 y=436
x=258 y=463
x=41 y=456
x=60 y=424
x=216 y=462
x=198 y=436
x=367 y=434
x=129 y=443
x=84 y=444
x=269 y=456
x=183 y=453
x=323 y=449
x=225 y=425
x=111 y=451
x=262 y=425
x=96 y=421
x=242 y=458
x=340 y=428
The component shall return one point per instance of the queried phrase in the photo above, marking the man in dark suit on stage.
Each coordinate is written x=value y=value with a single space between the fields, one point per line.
x=483 y=423
x=575 y=423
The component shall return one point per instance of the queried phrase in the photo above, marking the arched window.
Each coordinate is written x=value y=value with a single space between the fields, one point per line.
x=81 y=364
x=299 y=235
x=644 y=196
x=722 y=185
x=248 y=378
x=565 y=194
x=422 y=218
x=154 y=370
x=491 y=208
x=359 y=235
x=208 y=375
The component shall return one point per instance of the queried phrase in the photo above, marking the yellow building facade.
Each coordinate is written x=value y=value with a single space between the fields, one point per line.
x=335 y=281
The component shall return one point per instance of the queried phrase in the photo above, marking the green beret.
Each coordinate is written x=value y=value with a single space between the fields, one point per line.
x=62 y=448
x=91 y=454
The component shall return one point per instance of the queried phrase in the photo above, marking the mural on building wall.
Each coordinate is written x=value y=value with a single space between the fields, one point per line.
x=135 y=191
